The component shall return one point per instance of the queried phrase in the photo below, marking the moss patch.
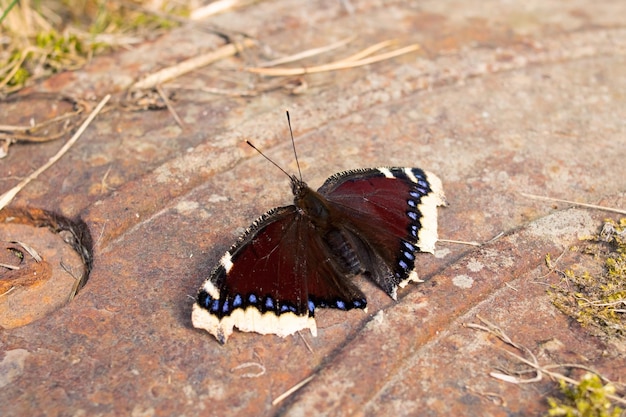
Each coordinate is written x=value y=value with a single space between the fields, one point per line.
x=587 y=399
x=597 y=298
x=42 y=38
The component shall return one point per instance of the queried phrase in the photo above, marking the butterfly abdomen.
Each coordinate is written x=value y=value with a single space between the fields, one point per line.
x=343 y=253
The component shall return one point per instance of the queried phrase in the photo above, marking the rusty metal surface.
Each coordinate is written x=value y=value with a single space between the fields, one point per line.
x=502 y=99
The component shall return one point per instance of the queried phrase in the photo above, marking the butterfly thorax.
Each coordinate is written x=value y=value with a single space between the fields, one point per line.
x=311 y=204
x=317 y=209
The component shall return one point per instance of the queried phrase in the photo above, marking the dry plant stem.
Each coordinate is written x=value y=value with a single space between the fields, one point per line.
x=244 y=365
x=219 y=6
x=31 y=251
x=191 y=64
x=293 y=389
x=496 y=331
x=337 y=65
x=460 y=242
x=308 y=53
x=552 y=265
x=170 y=107
x=368 y=51
x=7 y=197
x=558 y=376
x=10 y=128
x=539 y=197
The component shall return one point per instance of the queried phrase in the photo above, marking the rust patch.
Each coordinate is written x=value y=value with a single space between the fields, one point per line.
x=44 y=260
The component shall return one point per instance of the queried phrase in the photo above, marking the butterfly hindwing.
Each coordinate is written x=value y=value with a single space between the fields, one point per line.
x=393 y=211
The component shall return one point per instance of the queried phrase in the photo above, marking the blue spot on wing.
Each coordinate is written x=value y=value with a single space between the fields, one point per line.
x=359 y=303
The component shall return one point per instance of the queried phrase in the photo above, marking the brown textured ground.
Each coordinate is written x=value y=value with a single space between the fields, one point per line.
x=503 y=98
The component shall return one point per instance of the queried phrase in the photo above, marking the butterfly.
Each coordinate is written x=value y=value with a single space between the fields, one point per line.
x=295 y=259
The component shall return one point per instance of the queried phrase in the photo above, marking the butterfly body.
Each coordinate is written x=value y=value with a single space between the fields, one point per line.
x=296 y=258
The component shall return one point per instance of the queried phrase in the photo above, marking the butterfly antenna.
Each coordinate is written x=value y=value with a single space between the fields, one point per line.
x=267 y=157
x=293 y=143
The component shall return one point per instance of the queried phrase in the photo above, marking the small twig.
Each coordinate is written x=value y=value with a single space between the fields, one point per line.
x=77 y=282
x=7 y=292
x=191 y=64
x=460 y=242
x=170 y=107
x=497 y=398
x=552 y=265
x=594 y=206
x=305 y=342
x=493 y=239
x=7 y=197
x=293 y=389
x=7 y=266
x=38 y=126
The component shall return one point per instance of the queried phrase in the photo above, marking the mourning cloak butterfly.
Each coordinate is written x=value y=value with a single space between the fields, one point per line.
x=294 y=259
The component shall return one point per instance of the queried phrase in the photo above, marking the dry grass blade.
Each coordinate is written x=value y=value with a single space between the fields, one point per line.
x=293 y=389
x=7 y=197
x=217 y=7
x=31 y=251
x=368 y=51
x=170 y=107
x=594 y=206
x=333 y=66
x=27 y=133
x=459 y=242
x=189 y=65
x=308 y=53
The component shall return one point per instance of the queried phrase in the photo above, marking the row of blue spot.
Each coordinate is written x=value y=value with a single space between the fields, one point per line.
x=215 y=306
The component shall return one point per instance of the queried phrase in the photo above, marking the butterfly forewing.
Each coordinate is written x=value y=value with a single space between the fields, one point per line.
x=272 y=280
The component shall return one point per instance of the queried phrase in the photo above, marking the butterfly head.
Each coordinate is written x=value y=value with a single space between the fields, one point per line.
x=310 y=203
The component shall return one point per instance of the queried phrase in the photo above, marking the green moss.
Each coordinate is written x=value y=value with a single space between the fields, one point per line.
x=597 y=300
x=590 y=398
x=87 y=28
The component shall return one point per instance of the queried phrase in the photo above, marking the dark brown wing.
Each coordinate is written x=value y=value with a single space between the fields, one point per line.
x=272 y=280
x=388 y=215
